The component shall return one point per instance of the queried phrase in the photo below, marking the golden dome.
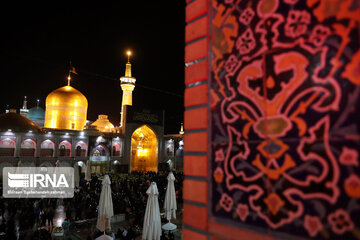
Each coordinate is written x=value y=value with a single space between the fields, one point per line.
x=66 y=108
x=103 y=124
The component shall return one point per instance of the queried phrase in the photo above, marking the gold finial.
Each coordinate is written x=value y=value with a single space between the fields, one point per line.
x=182 y=129
x=69 y=80
x=128 y=54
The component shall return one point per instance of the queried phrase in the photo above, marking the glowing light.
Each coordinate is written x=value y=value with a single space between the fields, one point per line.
x=81 y=133
x=9 y=130
x=144 y=142
x=30 y=131
x=142 y=152
x=65 y=106
x=128 y=53
x=66 y=134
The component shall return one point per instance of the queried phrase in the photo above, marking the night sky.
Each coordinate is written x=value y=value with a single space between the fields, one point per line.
x=38 y=41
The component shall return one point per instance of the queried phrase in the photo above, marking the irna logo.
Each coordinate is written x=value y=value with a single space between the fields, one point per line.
x=37 y=180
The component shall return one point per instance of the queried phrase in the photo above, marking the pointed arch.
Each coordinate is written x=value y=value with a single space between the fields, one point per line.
x=80 y=149
x=64 y=149
x=7 y=147
x=27 y=148
x=144 y=150
x=47 y=148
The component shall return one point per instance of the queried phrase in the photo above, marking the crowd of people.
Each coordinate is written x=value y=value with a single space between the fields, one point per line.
x=26 y=218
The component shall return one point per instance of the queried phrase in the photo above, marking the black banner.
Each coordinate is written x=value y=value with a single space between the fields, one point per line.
x=140 y=115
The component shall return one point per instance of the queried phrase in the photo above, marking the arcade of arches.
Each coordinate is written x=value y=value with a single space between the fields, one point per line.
x=144 y=150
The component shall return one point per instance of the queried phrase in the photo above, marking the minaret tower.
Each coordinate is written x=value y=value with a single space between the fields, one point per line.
x=127 y=84
x=24 y=110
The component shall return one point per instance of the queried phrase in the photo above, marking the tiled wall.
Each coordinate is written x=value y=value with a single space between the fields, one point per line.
x=195 y=193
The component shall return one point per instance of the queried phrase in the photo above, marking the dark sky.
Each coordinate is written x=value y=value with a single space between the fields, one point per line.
x=38 y=41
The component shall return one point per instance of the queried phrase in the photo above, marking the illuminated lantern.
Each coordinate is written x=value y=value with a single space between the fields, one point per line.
x=66 y=108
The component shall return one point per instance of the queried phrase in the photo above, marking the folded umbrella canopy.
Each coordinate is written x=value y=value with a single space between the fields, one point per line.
x=105 y=210
x=104 y=237
x=152 y=222
x=170 y=203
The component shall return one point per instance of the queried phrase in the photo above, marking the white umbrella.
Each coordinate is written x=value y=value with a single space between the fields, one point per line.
x=170 y=203
x=152 y=221
x=104 y=237
x=88 y=171
x=105 y=209
x=76 y=175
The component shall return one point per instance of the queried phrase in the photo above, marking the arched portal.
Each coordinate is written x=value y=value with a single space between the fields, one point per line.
x=65 y=149
x=116 y=149
x=99 y=157
x=80 y=149
x=144 y=150
x=27 y=148
x=100 y=150
x=47 y=148
x=7 y=147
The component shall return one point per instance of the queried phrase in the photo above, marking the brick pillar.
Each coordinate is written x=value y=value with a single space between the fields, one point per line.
x=195 y=189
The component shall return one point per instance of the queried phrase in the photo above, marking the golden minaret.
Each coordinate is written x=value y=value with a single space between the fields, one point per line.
x=127 y=84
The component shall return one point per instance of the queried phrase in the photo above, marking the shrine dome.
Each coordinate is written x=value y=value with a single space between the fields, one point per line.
x=66 y=108
x=103 y=124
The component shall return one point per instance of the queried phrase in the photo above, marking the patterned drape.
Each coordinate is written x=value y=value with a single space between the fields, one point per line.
x=285 y=142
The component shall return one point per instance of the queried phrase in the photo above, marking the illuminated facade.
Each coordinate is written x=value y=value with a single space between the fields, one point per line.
x=64 y=137
x=127 y=84
x=66 y=108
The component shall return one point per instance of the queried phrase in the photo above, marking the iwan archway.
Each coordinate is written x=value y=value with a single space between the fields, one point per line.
x=144 y=150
